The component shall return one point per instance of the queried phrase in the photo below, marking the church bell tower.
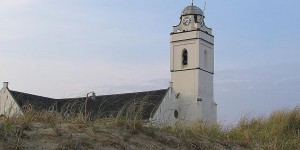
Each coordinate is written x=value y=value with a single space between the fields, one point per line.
x=192 y=67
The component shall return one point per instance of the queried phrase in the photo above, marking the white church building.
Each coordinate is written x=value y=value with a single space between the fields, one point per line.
x=189 y=98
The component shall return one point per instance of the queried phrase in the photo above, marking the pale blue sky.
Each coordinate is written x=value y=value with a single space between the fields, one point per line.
x=65 y=48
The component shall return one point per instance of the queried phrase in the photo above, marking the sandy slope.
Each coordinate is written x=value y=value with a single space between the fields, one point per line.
x=67 y=136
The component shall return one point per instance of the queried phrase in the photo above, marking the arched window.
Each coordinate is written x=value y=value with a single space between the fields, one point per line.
x=184 y=57
x=205 y=59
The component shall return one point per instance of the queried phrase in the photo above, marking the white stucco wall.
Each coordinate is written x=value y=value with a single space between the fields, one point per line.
x=165 y=112
x=189 y=110
x=186 y=85
x=8 y=106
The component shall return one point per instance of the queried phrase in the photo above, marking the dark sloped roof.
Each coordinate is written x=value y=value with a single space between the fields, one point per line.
x=28 y=100
x=143 y=103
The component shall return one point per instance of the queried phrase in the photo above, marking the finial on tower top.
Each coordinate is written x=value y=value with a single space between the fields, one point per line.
x=192 y=2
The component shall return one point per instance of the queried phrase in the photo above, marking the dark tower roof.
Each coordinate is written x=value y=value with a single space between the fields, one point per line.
x=192 y=10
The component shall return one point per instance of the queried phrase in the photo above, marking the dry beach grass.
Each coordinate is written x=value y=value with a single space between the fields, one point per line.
x=37 y=130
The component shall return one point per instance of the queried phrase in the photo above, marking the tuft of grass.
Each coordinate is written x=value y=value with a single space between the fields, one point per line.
x=280 y=130
x=130 y=116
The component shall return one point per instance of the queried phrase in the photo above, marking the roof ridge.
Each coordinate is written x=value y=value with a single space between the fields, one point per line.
x=30 y=94
x=115 y=94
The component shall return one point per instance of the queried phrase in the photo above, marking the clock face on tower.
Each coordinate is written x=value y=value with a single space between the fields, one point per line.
x=187 y=21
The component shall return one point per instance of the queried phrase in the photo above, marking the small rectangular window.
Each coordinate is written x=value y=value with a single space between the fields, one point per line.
x=184 y=57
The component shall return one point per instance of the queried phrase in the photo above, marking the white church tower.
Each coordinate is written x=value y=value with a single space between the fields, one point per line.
x=192 y=67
